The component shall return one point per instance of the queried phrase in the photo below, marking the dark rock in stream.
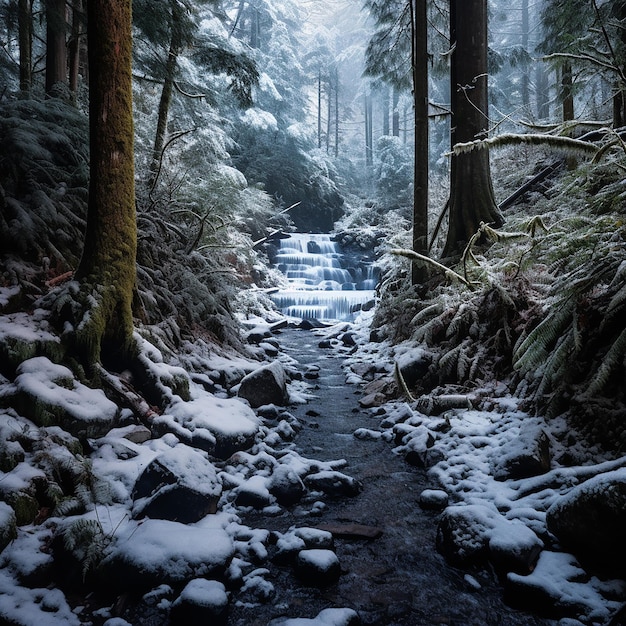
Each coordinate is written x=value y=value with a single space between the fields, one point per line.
x=265 y=385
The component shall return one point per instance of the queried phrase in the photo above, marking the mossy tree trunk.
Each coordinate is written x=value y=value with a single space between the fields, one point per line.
x=472 y=200
x=107 y=271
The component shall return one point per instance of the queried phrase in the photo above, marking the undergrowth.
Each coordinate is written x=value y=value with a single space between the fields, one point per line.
x=547 y=313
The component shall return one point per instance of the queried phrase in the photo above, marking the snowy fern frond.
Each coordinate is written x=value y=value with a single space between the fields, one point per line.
x=557 y=362
x=448 y=362
x=613 y=359
x=429 y=311
x=535 y=348
x=428 y=332
x=87 y=541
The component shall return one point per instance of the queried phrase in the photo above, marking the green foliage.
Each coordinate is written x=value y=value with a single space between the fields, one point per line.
x=86 y=540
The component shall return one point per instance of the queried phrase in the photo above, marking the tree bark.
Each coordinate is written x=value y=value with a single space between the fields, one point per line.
x=107 y=271
x=420 y=174
x=395 y=114
x=472 y=199
x=56 y=51
x=78 y=16
x=25 y=35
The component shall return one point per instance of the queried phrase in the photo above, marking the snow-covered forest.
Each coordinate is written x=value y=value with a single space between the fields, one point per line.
x=249 y=250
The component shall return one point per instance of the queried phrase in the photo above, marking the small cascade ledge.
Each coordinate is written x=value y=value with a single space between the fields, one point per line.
x=324 y=282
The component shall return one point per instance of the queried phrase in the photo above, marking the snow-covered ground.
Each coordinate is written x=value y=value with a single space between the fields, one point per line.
x=99 y=515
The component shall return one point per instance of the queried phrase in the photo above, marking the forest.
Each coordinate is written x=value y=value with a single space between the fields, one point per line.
x=460 y=162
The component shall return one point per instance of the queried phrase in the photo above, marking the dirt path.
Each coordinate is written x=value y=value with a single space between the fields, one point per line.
x=399 y=578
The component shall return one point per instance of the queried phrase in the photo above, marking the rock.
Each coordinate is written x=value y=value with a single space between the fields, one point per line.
x=319 y=568
x=433 y=500
x=137 y=434
x=589 y=521
x=201 y=602
x=327 y=617
x=469 y=535
x=154 y=552
x=178 y=485
x=253 y=492
x=565 y=595
x=286 y=486
x=265 y=385
x=413 y=366
x=49 y=395
x=348 y=339
x=525 y=456
x=315 y=538
x=8 y=525
x=333 y=483
x=11 y=455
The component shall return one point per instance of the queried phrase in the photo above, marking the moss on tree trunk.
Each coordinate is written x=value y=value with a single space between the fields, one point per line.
x=471 y=192
x=107 y=271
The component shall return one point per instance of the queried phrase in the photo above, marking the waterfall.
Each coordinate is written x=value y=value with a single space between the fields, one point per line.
x=323 y=283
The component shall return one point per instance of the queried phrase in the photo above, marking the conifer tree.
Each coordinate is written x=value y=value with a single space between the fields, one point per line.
x=472 y=199
x=103 y=323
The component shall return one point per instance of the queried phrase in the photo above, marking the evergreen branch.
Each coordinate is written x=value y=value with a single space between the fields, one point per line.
x=416 y=256
x=582 y=57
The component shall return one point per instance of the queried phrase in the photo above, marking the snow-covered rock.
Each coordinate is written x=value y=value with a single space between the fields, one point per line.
x=49 y=395
x=150 y=552
x=8 y=528
x=265 y=385
x=327 y=617
x=590 y=520
x=180 y=484
x=333 y=483
x=475 y=534
x=201 y=602
x=526 y=455
x=317 y=567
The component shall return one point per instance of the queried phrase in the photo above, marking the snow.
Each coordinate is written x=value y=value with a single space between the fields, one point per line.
x=508 y=515
x=169 y=551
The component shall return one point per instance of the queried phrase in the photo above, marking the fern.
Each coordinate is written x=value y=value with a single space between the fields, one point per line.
x=613 y=359
x=87 y=541
x=535 y=348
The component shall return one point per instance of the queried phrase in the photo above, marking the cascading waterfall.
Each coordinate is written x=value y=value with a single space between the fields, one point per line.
x=323 y=283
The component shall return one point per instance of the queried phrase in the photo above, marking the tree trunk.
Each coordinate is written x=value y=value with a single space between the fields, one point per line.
x=25 y=35
x=336 y=112
x=319 y=108
x=107 y=268
x=420 y=174
x=395 y=114
x=525 y=68
x=472 y=199
x=75 y=44
x=567 y=95
x=385 y=100
x=369 y=148
x=56 y=51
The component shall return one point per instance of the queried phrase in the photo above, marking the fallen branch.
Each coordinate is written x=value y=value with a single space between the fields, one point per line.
x=416 y=256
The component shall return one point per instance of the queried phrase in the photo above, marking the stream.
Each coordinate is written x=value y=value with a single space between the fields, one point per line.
x=397 y=579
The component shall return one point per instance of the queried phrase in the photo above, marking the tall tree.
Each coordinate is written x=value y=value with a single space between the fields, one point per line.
x=56 y=49
x=419 y=65
x=25 y=35
x=106 y=272
x=472 y=199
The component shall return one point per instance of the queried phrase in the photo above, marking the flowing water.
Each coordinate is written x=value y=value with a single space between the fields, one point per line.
x=323 y=283
x=398 y=579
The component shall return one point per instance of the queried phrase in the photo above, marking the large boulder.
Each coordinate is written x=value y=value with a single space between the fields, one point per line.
x=589 y=521
x=179 y=485
x=469 y=535
x=50 y=395
x=265 y=385
x=155 y=552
